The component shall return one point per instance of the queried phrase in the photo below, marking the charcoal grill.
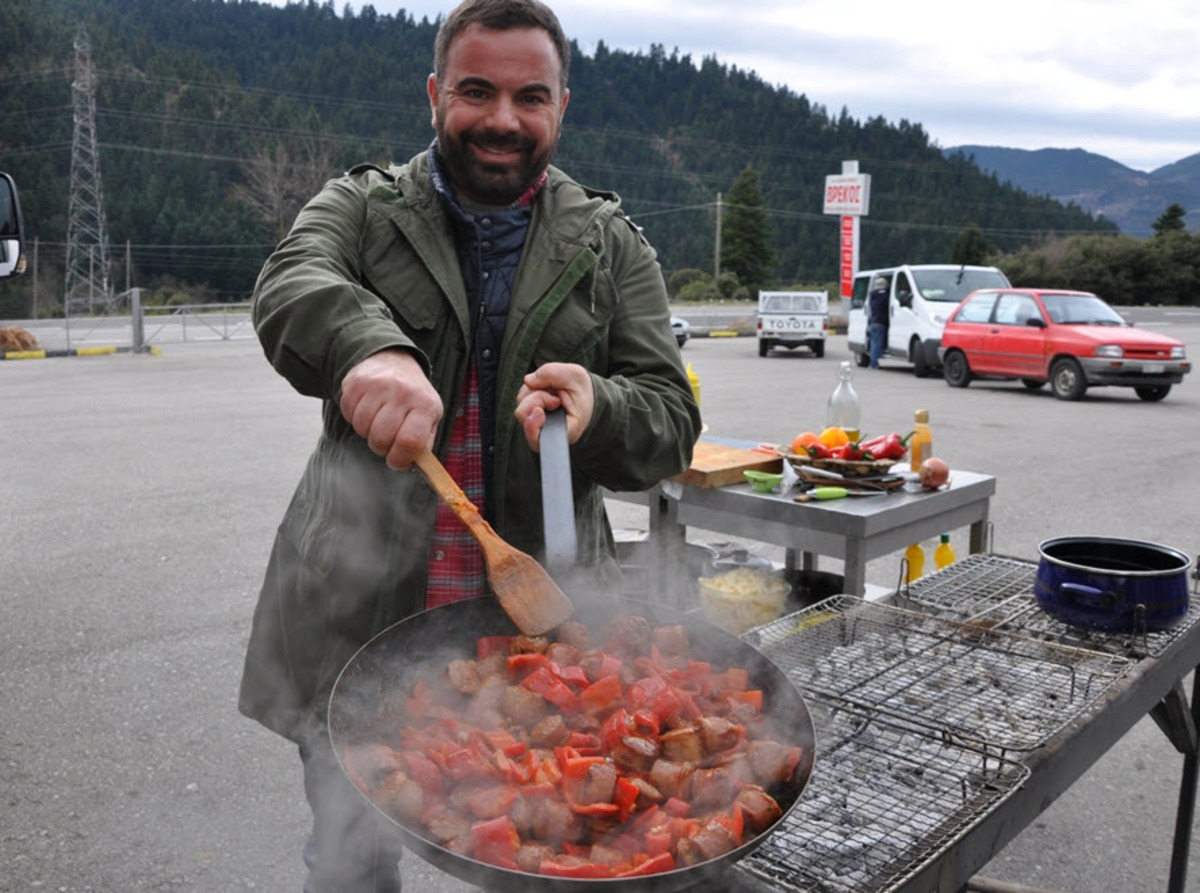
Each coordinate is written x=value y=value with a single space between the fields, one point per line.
x=912 y=796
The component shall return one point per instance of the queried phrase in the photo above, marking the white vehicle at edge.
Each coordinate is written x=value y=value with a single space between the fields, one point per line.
x=920 y=298
x=792 y=319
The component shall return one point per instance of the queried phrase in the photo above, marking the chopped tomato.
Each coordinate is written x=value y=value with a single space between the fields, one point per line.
x=495 y=840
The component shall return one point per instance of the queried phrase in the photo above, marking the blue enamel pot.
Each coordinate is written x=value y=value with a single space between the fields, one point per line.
x=1112 y=585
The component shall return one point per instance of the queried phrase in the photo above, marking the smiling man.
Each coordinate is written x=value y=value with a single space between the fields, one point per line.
x=449 y=303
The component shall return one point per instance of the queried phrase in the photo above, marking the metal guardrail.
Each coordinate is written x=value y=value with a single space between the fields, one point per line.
x=193 y=322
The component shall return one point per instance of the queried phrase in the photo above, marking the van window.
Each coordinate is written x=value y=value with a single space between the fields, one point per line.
x=953 y=285
x=904 y=290
x=858 y=297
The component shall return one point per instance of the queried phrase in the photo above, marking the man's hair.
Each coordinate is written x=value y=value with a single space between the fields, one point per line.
x=500 y=15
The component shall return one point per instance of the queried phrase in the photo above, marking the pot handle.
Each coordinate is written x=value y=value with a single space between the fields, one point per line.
x=1088 y=596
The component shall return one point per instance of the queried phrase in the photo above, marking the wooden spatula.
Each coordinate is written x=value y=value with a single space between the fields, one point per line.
x=526 y=592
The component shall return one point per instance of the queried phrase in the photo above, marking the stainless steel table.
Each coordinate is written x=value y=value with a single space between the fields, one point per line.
x=855 y=529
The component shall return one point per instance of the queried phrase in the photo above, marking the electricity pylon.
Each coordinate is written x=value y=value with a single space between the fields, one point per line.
x=87 y=288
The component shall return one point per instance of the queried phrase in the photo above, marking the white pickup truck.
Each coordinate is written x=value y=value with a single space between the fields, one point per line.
x=793 y=319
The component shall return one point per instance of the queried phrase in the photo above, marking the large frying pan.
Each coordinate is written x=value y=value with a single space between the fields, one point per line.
x=388 y=666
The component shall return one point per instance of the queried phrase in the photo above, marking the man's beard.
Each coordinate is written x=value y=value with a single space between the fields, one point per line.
x=491 y=184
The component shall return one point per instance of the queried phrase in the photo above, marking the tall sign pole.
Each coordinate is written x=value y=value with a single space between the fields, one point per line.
x=848 y=195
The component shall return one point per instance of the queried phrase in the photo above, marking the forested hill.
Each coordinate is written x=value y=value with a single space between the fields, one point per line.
x=200 y=104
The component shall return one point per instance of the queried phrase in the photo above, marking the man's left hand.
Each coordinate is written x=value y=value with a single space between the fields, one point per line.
x=550 y=387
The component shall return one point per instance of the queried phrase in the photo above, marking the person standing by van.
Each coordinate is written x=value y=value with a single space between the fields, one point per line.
x=877 y=319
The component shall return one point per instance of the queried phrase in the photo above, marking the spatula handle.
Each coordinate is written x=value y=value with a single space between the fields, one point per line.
x=452 y=494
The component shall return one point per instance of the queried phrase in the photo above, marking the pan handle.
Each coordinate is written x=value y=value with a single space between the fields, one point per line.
x=558 y=500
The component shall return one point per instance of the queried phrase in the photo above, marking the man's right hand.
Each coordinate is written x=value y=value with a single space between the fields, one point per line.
x=391 y=404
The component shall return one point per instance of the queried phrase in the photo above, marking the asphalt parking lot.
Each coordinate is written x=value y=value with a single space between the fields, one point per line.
x=140 y=497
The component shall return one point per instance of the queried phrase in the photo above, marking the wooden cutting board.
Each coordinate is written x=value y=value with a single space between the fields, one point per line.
x=719 y=465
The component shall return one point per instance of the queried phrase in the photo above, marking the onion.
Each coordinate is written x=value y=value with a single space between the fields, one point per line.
x=934 y=473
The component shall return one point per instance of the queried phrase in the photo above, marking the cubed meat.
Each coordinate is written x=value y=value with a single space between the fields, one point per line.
x=368 y=765
x=671 y=641
x=549 y=731
x=632 y=633
x=444 y=824
x=712 y=789
x=718 y=734
x=598 y=784
x=607 y=855
x=771 y=762
x=682 y=745
x=712 y=839
x=531 y=855
x=483 y=710
x=463 y=675
x=528 y=645
x=635 y=753
x=554 y=823
x=522 y=706
x=495 y=664
x=737 y=764
x=575 y=634
x=673 y=779
x=648 y=794
x=401 y=798
x=759 y=809
x=563 y=655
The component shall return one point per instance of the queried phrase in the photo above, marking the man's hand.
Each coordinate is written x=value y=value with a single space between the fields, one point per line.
x=391 y=404
x=552 y=386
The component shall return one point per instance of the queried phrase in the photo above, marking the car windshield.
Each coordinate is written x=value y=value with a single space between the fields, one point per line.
x=952 y=285
x=1081 y=310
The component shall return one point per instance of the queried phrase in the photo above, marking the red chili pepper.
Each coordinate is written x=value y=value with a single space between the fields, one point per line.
x=819 y=451
x=887 y=446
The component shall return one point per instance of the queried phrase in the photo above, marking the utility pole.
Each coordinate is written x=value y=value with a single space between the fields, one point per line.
x=717 y=252
x=86 y=283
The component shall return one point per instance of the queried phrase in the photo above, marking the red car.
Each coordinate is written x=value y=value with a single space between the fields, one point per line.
x=1072 y=339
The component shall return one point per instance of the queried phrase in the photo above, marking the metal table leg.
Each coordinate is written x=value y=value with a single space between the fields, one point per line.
x=1187 y=806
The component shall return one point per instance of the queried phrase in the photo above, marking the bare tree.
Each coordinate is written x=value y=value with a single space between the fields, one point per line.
x=279 y=178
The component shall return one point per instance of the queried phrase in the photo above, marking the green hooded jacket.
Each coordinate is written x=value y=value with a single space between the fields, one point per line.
x=370 y=264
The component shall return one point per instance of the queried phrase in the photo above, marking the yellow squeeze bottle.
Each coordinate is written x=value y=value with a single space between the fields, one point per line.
x=920 y=444
x=944 y=555
x=694 y=381
x=915 y=556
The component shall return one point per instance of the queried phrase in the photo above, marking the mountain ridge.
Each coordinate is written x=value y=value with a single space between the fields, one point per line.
x=1130 y=198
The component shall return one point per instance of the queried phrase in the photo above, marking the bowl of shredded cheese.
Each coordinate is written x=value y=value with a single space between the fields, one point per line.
x=740 y=599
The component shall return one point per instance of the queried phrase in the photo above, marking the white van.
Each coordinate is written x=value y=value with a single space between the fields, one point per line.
x=792 y=319
x=921 y=296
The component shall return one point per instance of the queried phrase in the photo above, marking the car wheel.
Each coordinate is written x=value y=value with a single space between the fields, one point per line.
x=956 y=370
x=863 y=360
x=763 y=347
x=1154 y=393
x=1034 y=384
x=818 y=349
x=1066 y=378
x=920 y=367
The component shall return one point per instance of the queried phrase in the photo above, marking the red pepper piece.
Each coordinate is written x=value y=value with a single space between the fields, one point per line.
x=554 y=690
x=656 y=864
x=486 y=646
x=602 y=696
x=521 y=664
x=424 y=772
x=572 y=675
x=677 y=808
x=582 y=741
x=658 y=841
x=625 y=797
x=573 y=867
x=609 y=666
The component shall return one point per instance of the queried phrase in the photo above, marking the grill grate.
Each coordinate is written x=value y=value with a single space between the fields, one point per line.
x=883 y=799
x=998 y=591
x=987 y=688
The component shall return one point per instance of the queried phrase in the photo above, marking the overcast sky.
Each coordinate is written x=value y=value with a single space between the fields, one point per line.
x=1114 y=77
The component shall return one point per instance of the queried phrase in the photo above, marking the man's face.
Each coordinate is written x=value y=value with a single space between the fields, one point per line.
x=498 y=111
